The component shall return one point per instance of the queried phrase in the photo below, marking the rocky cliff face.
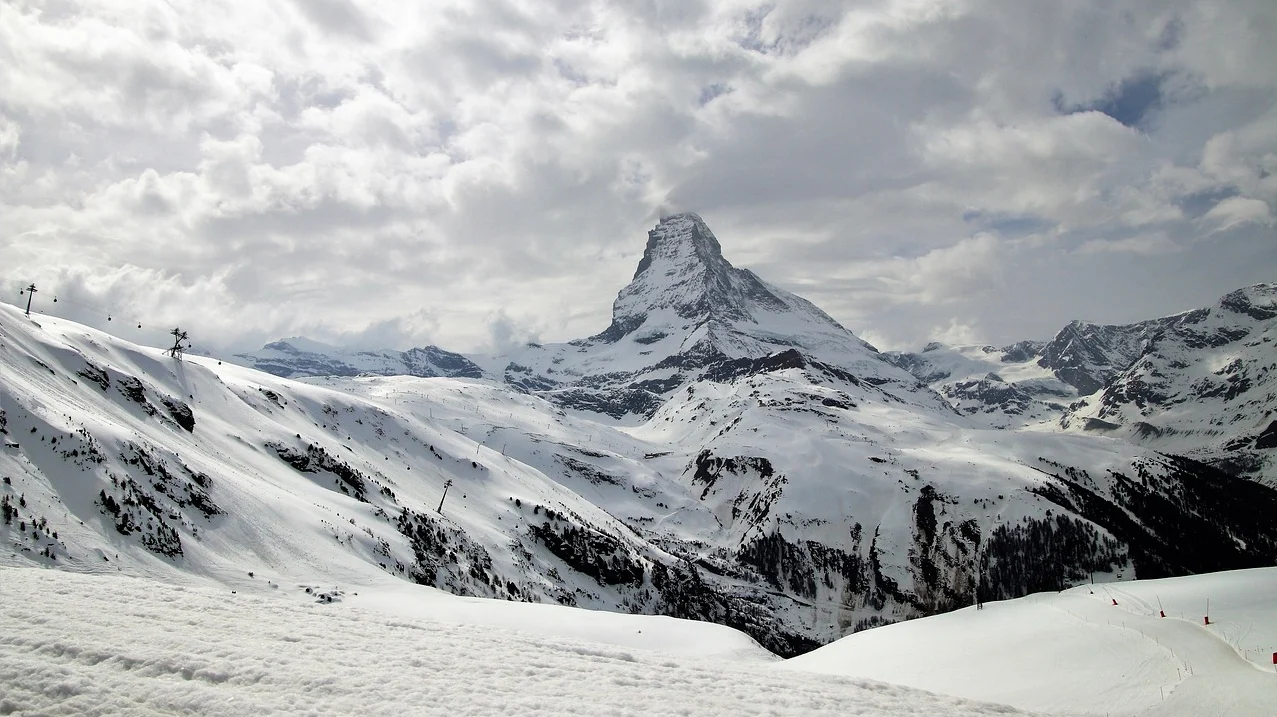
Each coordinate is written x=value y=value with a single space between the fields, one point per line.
x=1087 y=356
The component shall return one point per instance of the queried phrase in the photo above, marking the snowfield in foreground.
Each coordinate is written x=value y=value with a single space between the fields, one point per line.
x=108 y=644
x=111 y=645
x=1076 y=652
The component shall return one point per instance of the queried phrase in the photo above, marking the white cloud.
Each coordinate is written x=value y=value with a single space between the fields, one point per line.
x=1154 y=243
x=333 y=167
x=955 y=333
x=1236 y=211
x=10 y=136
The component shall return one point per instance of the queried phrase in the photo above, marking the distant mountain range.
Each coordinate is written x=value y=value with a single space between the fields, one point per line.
x=1201 y=384
x=724 y=451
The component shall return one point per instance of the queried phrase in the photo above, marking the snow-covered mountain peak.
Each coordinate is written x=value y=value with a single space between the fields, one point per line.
x=303 y=357
x=681 y=238
x=683 y=278
x=686 y=311
x=685 y=288
x=1258 y=301
x=299 y=345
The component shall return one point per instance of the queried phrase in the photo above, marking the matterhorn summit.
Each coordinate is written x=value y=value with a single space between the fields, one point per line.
x=686 y=314
x=684 y=288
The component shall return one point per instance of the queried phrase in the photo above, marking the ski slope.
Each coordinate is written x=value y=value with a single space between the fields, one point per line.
x=1076 y=652
x=75 y=644
x=105 y=643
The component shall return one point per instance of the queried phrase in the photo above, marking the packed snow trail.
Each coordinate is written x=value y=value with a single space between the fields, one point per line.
x=1076 y=652
x=1214 y=679
x=73 y=644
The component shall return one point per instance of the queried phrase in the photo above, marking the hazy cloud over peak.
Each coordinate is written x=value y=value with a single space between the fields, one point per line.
x=480 y=174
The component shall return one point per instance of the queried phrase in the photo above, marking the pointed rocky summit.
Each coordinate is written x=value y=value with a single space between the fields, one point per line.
x=686 y=298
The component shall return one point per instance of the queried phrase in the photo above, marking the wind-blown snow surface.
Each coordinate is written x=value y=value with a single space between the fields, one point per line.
x=106 y=645
x=1100 y=650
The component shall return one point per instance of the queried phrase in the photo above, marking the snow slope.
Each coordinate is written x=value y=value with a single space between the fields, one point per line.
x=788 y=498
x=106 y=645
x=1076 y=652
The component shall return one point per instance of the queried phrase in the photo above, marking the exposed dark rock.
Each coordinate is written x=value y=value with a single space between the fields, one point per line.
x=709 y=467
x=96 y=374
x=1022 y=351
x=315 y=459
x=1096 y=424
x=728 y=370
x=1241 y=302
x=180 y=412
x=1268 y=438
x=589 y=552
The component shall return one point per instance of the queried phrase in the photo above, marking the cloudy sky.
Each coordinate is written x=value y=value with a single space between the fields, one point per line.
x=476 y=173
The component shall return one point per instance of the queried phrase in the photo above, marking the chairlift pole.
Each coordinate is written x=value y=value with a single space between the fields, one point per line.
x=31 y=290
x=446 y=485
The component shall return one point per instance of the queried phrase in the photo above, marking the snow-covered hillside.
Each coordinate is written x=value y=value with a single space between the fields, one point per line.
x=78 y=644
x=1092 y=650
x=1200 y=384
x=798 y=495
x=103 y=643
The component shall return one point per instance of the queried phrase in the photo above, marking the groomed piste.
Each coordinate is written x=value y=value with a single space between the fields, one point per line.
x=108 y=644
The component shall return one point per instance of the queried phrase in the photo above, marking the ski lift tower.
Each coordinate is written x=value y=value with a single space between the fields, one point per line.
x=178 y=337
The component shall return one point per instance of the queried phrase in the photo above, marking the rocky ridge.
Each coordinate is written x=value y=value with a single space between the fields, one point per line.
x=1198 y=383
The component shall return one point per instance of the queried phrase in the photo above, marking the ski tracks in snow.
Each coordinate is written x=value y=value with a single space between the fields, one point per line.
x=1214 y=678
x=76 y=644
